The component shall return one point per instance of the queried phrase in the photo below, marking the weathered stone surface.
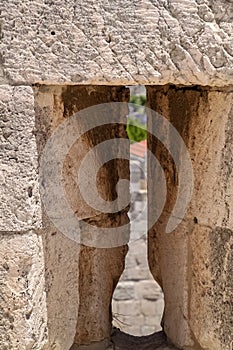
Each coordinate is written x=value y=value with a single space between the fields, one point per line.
x=79 y=308
x=136 y=274
x=54 y=105
x=193 y=264
x=61 y=257
x=125 y=291
x=19 y=205
x=23 y=314
x=148 y=290
x=150 y=308
x=181 y=42
x=100 y=270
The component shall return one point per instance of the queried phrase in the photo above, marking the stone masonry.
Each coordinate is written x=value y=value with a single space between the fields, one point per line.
x=200 y=248
x=61 y=57
x=180 y=42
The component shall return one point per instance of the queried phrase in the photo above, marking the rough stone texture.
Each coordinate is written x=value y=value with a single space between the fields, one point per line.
x=23 y=311
x=181 y=42
x=61 y=257
x=193 y=264
x=138 y=300
x=23 y=320
x=80 y=280
x=153 y=42
x=19 y=204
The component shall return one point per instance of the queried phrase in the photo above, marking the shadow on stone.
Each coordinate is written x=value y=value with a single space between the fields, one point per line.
x=102 y=345
x=123 y=341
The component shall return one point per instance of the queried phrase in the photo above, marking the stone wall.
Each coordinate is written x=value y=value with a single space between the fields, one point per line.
x=23 y=313
x=77 y=270
x=58 y=58
x=198 y=250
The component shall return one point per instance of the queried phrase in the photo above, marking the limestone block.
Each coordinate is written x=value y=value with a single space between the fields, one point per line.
x=149 y=290
x=153 y=321
x=99 y=272
x=136 y=274
x=54 y=105
x=23 y=314
x=193 y=264
x=147 y=307
x=20 y=204
x=61 y=256
x=147 y=329
x=79 y=309
x=129 y=308
x=152 y=308
x=181 y=42
x=133 y=327
x=124 y=291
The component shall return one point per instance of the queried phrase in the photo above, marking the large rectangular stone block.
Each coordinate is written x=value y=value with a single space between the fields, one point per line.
x=193 y=263
x=23 y=314
x=19 y=204
x=61 y=259
x=98 y=42
x=80 y=279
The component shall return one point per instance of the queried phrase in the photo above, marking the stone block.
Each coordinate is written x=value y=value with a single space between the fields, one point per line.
x=57 y=104
x=136 y=274
x=23 y=311
x=61 y=256
x=20 y=203
x=193 y=263
x=154 y=321
x=129 y=308
x=147 y=330
x=149 y=290
x=133 y=330
x=124 y=291
x=90 y=272
x=86 y=43
x=148 y=307
x=128 y=323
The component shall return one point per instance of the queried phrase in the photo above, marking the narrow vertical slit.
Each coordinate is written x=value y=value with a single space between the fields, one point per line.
x=138 y=303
